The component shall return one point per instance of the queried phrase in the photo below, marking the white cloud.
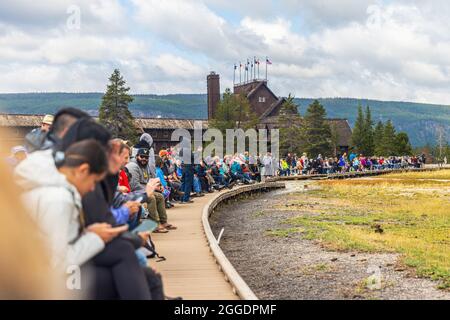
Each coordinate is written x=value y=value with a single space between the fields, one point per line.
x=186 y=23
x=174 y=67
x=97 y=16
x=375 y=49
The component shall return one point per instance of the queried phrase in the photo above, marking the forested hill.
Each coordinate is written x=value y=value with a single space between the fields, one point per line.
x=420 y=121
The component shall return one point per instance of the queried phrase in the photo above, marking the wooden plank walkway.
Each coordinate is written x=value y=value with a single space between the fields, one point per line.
x=190 y=270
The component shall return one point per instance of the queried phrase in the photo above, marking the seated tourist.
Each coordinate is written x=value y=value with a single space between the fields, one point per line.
x=53 y=195
x=140 y=176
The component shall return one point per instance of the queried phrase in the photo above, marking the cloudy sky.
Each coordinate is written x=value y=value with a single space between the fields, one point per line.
x=379 y=49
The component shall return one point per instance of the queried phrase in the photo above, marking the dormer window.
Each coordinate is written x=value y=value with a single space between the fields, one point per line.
x=262 y=99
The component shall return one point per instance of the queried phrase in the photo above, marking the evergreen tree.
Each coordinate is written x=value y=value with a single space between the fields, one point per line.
x=368 y=135
x=234 y=112
x=358 y=132
x=290 y=124
x=389 y=140
x=403 y=145
x=114 y=113
x=378 y=138
x=317 y=131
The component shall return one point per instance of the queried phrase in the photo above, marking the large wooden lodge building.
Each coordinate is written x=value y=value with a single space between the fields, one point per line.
x=262 y=101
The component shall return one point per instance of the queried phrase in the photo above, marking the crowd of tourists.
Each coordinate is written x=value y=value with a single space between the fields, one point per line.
x=353 y=162
x=97 y=198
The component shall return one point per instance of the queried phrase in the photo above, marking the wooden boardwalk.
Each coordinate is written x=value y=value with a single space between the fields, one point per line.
x=190 y=270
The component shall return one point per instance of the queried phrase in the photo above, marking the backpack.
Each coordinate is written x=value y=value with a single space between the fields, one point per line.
x=151 y=250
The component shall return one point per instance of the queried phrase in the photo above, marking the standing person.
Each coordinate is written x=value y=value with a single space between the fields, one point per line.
x=267 y=163
x=187 y=176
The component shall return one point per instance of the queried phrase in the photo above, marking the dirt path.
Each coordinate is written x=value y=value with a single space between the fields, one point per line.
x=289 y=267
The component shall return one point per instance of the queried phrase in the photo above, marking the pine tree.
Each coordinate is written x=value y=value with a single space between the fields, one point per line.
x=358 y=132
x=403 y=145
x=290 y=124
x=368 y=135
x=389 y=140
x=114 y=113
x=378 y=138
x=317 y=131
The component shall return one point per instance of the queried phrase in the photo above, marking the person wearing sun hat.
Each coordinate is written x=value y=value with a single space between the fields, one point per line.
x=47 y=122
x=35 y=138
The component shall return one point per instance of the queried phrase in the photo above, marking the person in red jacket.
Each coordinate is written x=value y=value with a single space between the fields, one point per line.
x=124 y=184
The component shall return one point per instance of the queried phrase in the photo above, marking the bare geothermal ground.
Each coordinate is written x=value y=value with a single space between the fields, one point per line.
x=281 y=260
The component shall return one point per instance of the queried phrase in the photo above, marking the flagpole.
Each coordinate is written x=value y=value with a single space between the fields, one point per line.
x=245 y=73
x=266 y=69
x=234 y=75
x=240 y=71
x=259 y=62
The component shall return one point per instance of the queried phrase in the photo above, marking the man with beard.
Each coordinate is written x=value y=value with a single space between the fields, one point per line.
x=140 y=175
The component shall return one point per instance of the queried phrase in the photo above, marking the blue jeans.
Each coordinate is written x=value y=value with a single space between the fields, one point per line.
x=197 y=185
x=188 y=180
x=221 y=180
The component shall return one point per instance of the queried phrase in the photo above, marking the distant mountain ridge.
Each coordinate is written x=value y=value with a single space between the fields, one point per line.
x=420 y=121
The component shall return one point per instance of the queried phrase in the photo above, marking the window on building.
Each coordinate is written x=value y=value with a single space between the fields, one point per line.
x=262 y=99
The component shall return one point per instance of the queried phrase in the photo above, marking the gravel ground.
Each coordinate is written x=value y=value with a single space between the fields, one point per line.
x=295 y=268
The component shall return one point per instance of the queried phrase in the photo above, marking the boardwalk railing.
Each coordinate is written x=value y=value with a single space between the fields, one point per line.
x=239 y=286
x=354 y=174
